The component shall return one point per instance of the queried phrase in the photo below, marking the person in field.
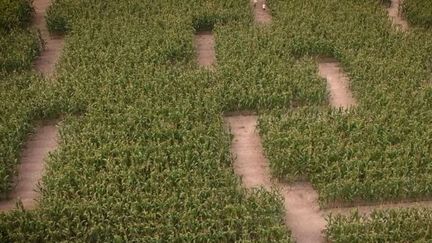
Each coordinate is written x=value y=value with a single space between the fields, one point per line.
x=255 y=3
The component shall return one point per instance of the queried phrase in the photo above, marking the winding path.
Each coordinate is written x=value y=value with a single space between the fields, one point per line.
x=337 y=83
x=53 y=44
x=262 y=16
x=303 y=215
x=396 y=16
x=31 y=167
x=44 y=140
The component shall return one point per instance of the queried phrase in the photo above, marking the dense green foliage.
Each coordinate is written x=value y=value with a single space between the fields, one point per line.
x=418 y=12
x=379 y=151
x=148 y=157
x=386 y=3
x=407 y=225
x=18 y=45
x=15 y=13
x=59 y=16
x=18 y=49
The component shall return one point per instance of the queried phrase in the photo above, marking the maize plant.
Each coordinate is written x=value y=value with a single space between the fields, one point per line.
x=418 y=12
x=148 y=157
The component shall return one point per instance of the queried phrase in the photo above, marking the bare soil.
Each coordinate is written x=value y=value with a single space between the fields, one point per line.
x=337 y=83
x=262 y=16
x=396 y=16
x=204 y=45
x=303 y=215
x=250 y=163
x=302 y=212
x=53 y=44
x=31 y=167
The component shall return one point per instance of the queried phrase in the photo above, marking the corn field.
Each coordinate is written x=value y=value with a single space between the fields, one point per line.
x=144 y=156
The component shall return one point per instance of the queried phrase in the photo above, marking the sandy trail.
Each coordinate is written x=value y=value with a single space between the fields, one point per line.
x=46 y=61
x=262 y=16
x=31 y=167
x=396 y=16
x=250 y=163
x=303 y=215
x=204 y=45
x=302 y=212
x=337 y=83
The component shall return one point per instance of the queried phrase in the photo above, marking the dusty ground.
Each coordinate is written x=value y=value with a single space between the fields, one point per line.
x=302 y=212
x=396 y=16
x=31 y=167
x=54 y=44
x=250 y=163
x=204 y=45
x=303 y=215
x=337 y=83
x=261 y=16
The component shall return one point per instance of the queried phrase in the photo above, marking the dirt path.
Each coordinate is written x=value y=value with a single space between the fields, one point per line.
x=45 y=62
x=337 y=83
x=250 y=163
x=204 y=45
x=396 y=16
x=302 y=212
x=262 y=16
x=303 y=215
x=31 y=166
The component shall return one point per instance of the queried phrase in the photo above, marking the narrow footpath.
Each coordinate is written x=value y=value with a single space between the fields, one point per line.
x=337 y=83
x=53 y=44
x=396 y=15
x=261 y=11
x=204 y=45
x=303 y=216
x=31 y=166
x=44 y=140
